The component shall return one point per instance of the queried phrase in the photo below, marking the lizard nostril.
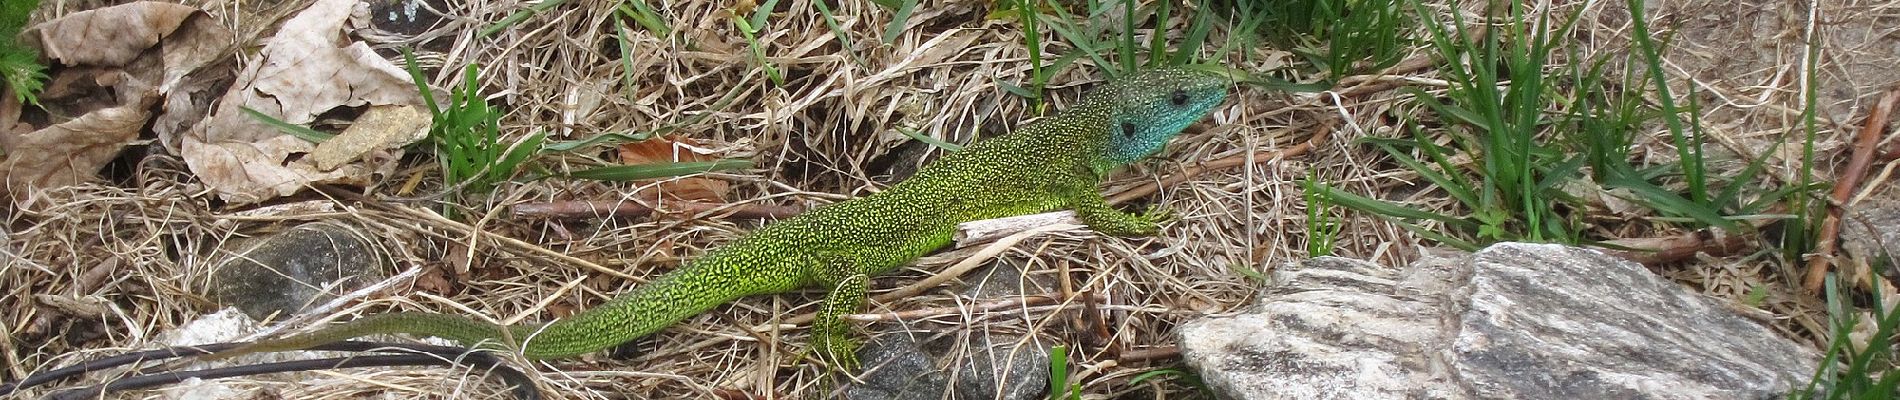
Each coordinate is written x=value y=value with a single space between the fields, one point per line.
x=1128 y=129
x=1180 y=97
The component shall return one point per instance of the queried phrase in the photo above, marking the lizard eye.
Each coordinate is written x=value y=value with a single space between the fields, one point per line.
x=1179 y=98
x=1128 y=129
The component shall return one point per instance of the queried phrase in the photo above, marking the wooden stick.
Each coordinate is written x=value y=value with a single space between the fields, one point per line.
x=1864 y=149
x=983 y=231
x=1663 y=250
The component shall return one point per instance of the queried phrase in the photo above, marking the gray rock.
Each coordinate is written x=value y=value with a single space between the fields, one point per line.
x=1871 y=233
x=978 y=364
x=900 y=366
x=1003 y=366
x=1514 y=321
x=896 y=367
x=288 y=271
x=1337 y=328
x=1004 y=278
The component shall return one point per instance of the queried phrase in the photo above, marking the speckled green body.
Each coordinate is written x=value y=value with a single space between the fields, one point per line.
x=1055 y=163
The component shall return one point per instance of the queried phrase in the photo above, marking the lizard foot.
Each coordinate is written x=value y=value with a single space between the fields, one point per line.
x=1146 y=223
x=839 y=351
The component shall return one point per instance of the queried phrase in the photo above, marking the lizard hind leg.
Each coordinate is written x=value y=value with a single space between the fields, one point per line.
x=830 y=332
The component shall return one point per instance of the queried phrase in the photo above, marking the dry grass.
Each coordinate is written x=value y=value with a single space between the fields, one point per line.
x=140 y=252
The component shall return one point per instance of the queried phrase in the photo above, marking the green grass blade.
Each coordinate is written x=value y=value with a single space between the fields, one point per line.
x=1059 y=374
x=921 y=137
x=643 y=14
x=1026 y=12
x=759 y=13
x=901 y=16
x=516 y=155
x=1455 y=188
x=658 y=170
x=1670 y=202
x=610 y=137
x=1438 y=237
x=300 y=131
x=1158 y=39
x=1126 y=45
x=1386 y=208
x=844 y=38
x=747 y=30
x=518 y=16
x=624 y=37
x=1687 y=148
x=1014 y=89
x=1198 y=28
x=422 y=83
x=1081 y=43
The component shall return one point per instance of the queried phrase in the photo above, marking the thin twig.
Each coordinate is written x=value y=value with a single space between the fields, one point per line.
x=611 y=209
x=465 y=229
x=992 y=305
x=1150 y=354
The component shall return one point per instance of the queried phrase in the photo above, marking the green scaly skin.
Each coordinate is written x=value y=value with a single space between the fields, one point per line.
x=1054 y=163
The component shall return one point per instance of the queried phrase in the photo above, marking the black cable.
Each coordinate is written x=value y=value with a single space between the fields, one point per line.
x=521 y=387
x=109 y=362
x=434 y=355
x=195 y=350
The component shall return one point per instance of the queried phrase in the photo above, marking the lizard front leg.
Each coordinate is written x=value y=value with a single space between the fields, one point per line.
x=1095 y=211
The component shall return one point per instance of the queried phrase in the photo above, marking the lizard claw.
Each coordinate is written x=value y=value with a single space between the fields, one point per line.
x=840 y=352
x=1146 y=223
x=1158 y=215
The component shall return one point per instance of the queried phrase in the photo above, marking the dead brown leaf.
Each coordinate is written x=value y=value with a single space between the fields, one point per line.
x=118 y=42
x=674 y=148
x=435 y=279
x=110 y=36
x=111 y=80
x=10 y=125
x=69 y=153
x=301 y=72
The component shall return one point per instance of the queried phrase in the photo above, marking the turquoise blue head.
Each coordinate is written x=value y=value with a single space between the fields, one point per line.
x=1147 y=109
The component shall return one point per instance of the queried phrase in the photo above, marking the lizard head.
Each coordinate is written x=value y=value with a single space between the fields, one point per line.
x=1147 y=109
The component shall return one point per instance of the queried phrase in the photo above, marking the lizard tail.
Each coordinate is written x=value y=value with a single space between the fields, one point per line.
x=461 y=329
x=644 y=310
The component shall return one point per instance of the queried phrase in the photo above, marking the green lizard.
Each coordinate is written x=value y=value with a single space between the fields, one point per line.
x=1050 y=164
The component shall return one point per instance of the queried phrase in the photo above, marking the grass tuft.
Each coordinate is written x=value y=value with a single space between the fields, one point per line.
x=1337 y=37
x=1850 y=371
x=1322 y=227
x=20 y=67
x=1520 y=132
x=1059 y=386
x=466 y=136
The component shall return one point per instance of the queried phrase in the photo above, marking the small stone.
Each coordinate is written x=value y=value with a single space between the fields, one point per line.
x=898 y=366
x=287 y=272
x=1003 y=278
x=407 y=17
x=988 y=365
